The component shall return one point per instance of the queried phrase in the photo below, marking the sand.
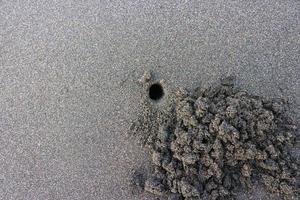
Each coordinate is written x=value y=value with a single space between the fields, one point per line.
x=68 y=72
x=212 y=143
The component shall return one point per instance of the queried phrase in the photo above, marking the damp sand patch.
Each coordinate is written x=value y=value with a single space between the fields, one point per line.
x=212 y=142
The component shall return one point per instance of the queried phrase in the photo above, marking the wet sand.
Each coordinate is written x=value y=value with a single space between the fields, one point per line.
x=68 y=74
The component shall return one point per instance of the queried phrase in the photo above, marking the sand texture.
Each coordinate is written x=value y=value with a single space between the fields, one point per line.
x=215 y=142
x=68 y=89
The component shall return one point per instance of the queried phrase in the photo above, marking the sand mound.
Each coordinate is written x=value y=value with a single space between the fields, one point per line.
x=212 y=142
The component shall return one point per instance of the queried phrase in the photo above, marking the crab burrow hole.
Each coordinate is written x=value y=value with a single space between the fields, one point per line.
x=156 y=91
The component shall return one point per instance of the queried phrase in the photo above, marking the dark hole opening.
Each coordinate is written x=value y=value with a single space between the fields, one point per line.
x=204 y=141
x=156 y=91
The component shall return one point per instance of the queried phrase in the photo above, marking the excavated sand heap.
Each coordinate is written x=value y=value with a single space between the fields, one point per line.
x=212 y=142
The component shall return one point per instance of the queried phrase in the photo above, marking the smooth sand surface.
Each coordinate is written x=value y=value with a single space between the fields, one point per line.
x=68 y=72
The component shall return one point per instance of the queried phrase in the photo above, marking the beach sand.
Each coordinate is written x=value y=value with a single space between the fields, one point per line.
x=68 y=74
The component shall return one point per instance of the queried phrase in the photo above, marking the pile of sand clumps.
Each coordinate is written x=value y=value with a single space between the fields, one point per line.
x=213 y=142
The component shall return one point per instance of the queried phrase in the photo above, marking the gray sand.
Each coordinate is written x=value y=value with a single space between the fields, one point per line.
x=214 y=143
x=68 y=71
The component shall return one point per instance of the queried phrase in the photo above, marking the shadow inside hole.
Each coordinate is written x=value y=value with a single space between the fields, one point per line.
x=156 y=91
x=204 y=141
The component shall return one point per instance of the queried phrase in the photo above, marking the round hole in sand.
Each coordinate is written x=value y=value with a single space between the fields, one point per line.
x=156 y=91
x=204 y=141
